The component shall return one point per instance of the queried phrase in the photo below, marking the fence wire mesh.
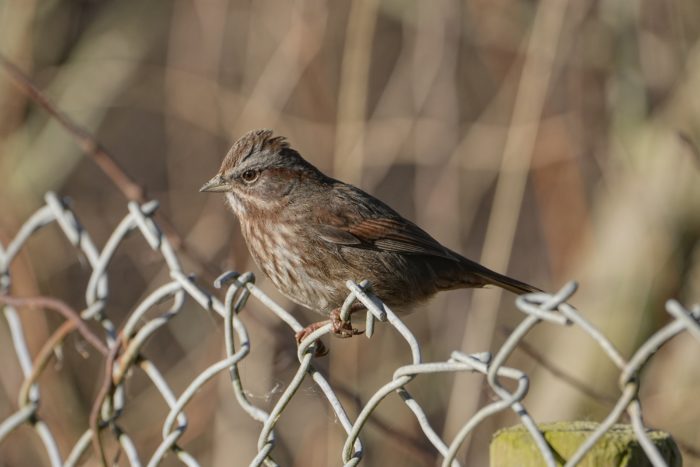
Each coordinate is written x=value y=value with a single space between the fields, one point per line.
x=121 y=347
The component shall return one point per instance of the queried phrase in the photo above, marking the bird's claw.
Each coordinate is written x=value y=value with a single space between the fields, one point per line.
x=341 y=328
x=321 y=349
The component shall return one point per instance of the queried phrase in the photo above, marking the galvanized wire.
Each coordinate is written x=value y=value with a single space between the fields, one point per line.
x=123 y=354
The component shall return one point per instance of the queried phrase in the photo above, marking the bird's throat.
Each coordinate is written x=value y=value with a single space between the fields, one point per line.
x=237 y=206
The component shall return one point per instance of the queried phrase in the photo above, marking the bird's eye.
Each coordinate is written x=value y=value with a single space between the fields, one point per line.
x=249 y=176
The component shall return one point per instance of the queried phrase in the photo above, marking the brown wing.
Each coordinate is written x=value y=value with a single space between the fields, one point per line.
x=355 y=219
x=402 y=236
x=388 y=234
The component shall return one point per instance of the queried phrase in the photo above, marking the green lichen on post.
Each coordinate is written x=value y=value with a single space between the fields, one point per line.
x=619 y=447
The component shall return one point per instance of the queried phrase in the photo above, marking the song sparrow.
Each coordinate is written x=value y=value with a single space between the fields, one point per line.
x=310 y=233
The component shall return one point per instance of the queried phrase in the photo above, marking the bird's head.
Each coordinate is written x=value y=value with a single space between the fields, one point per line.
x=261 y=171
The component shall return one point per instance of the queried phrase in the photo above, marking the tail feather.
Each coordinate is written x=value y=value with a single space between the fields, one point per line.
x=505 y=282
x=485 y=276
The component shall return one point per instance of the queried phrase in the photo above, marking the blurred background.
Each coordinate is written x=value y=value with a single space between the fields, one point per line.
x=550 y=140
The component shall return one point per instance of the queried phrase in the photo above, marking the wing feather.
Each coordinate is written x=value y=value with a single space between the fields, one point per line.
x=387 y=234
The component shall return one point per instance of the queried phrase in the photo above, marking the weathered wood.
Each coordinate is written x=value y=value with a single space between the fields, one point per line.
x=619 y=447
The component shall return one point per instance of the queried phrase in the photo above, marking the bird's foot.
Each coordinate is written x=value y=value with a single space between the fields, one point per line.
x=339 y=328
x=321 y=349
x=342 y=328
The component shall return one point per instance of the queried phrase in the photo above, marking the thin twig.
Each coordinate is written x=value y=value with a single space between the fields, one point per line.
x=85 y=140
x=108 y=385
x=74 y=322
x=61 y=307
x=103 y=158
x=43 y=356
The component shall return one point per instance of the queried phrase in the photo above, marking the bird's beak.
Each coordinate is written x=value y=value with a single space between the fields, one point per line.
x=215 y=184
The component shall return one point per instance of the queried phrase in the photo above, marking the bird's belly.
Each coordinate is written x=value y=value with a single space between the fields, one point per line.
x=313 y=274
x=294 y=275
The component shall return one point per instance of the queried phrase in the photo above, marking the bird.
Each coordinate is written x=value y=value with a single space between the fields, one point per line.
x=310 y=234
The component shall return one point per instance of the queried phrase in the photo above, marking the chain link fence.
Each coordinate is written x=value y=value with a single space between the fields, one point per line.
x=121 y=347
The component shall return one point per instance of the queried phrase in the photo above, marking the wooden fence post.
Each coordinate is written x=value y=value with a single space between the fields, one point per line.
x=619 y=447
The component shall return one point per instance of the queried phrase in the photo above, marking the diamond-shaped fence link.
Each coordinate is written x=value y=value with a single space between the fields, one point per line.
x=122 y=352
